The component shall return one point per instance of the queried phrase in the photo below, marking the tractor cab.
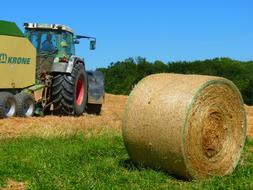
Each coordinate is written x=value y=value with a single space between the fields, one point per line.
x=55 y=46
x=51 y=39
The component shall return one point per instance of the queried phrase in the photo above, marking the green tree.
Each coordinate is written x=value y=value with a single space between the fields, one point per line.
x=120 y=77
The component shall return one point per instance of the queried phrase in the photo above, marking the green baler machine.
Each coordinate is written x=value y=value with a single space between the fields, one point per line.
x=40 y=74
x=17 y=58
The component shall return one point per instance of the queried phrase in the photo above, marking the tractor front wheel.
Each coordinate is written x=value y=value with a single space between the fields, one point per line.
x=8 y=105
x=69 y=91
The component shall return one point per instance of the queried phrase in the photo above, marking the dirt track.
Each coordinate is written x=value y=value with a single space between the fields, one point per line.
x=51 y=126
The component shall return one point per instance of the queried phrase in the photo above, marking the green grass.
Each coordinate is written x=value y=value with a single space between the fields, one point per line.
x=98 y=162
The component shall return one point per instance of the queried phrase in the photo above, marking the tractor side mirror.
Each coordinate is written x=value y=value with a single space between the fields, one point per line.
x=76 y=42
x=92 y=44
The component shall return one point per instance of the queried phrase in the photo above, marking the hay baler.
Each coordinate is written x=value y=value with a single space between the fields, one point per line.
x=40 y=73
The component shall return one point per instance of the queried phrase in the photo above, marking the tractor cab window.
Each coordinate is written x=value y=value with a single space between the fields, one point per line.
x=48 y=42
x=67 y=45
x=52 y=42
x=34 y=39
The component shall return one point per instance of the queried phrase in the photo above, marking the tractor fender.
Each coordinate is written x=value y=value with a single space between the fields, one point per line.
x=61 y=67
x=96 y=89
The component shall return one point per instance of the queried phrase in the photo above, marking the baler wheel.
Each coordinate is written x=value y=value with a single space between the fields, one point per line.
x=8 y=105
x=25 y=105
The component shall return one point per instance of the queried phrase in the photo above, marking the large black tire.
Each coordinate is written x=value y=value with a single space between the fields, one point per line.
x=8 y=105
x=69 y=91
x=25 y=105
x=94 y=109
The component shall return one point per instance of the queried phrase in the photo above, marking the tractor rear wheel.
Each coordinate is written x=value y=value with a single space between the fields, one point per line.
x=25 y=105
x=8 y=105
x=69 y=91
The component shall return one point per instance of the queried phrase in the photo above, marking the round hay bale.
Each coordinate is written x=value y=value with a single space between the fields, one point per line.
x=191 y=126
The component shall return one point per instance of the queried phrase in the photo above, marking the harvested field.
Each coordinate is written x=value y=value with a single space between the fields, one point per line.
x=52 y=126
x=13 y=185
x=110 y=118
x=249 y=110
x=46 y=163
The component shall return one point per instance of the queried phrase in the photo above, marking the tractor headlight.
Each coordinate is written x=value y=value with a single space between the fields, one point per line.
x=56 y=60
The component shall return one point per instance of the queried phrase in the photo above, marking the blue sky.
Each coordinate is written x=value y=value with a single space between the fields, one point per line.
x=166 y=30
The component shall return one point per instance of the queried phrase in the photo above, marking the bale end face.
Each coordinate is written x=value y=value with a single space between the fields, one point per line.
x=214 y=130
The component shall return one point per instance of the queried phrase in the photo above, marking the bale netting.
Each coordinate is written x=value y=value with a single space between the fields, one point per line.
x=191 y=126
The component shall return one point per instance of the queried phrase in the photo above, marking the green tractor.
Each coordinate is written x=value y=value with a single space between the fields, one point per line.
x=40 y=73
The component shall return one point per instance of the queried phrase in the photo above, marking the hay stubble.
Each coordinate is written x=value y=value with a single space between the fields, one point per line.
x=53 y=126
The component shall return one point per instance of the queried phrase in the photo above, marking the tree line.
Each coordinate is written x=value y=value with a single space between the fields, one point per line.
x=121 y=76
